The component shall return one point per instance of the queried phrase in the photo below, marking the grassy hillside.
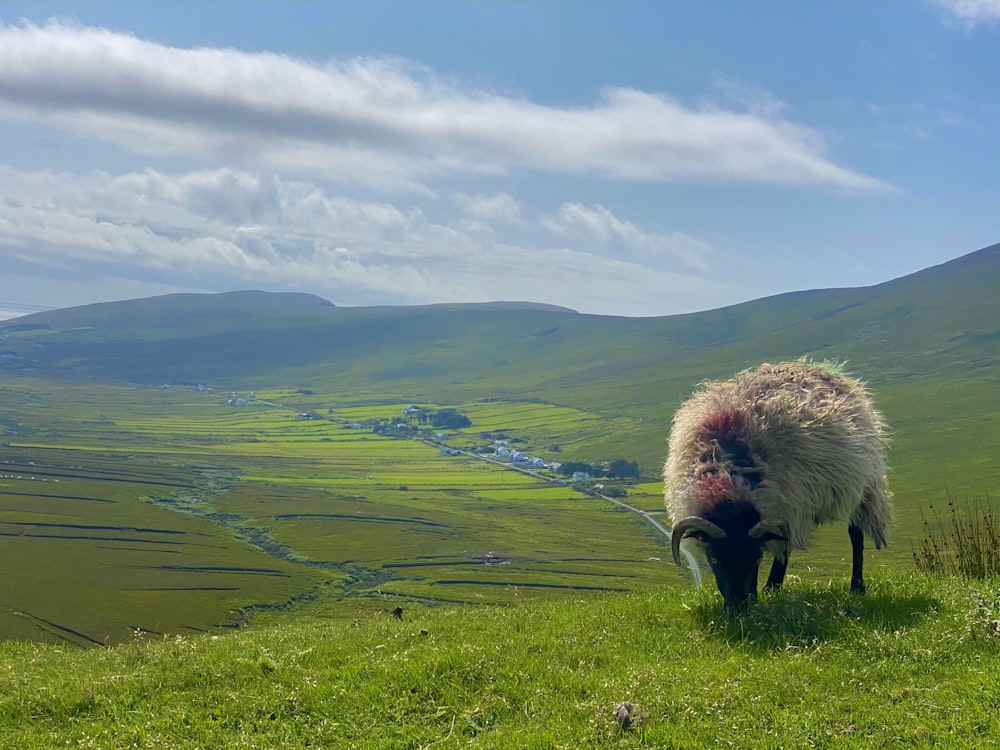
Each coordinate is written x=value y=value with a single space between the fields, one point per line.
x=921 y=342
x=141 y=515
x=272 y=508
x=939 y=323
x=915 y=663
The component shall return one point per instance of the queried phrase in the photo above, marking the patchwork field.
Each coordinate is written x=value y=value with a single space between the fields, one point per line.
x=150 y=509
x=127 y=508
x=88 y=558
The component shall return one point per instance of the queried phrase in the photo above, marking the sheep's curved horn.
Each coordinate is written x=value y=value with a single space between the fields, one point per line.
x=777 y=528
x=692 y=523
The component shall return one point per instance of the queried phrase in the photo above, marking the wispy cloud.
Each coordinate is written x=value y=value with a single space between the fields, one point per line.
x=501 y=208
x=598 y=226
x=972 y=12
x=225 y=228
x=387 y=123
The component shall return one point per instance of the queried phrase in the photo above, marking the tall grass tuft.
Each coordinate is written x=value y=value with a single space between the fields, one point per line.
x=833 y=366
x=966 y=543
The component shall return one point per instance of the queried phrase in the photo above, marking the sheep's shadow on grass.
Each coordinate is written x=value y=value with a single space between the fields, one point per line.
x=800 y=618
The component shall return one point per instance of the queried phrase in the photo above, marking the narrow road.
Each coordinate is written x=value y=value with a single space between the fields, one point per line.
x=692 y=563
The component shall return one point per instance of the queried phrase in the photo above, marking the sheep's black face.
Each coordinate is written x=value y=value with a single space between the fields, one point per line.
x=735 y=561
x=735 y=557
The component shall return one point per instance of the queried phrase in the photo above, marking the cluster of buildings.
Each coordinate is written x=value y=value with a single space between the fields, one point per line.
x=502 y=450
x=235 y=399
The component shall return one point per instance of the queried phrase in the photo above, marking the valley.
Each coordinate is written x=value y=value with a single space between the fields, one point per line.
x=143 y=490
x=165 y=510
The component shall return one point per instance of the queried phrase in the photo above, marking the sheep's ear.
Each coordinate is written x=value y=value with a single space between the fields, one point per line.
x=778 y=546
x=774 y=536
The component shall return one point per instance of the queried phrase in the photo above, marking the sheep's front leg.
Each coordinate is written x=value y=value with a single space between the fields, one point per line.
x=777 y=574
x=857 y=558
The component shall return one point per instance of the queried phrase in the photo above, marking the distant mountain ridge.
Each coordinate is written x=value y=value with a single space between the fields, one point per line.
x=944 y=318
x=243 y=302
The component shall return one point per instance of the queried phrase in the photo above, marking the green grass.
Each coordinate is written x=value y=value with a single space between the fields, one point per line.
x=316 y=532
x=911 y=664
x=312 y=504
x=353 y=513
x=85 y=558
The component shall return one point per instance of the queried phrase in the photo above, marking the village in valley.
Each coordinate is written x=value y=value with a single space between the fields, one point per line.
x=429 y=425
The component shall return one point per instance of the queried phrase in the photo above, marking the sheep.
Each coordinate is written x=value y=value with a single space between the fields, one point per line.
x=757 y=461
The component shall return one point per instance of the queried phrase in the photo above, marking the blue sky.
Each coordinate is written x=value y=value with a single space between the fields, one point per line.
x=616 y=158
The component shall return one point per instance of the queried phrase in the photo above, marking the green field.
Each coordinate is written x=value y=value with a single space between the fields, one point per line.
x=164 y=510
x=244 y=560
x=131 y=500
x=915 y=663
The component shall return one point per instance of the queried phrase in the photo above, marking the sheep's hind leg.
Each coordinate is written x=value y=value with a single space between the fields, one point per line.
x=857 y=558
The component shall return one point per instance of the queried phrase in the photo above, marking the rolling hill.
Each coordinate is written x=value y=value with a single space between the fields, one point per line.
x=99 y=460
x=942 y=321
x=927 y=343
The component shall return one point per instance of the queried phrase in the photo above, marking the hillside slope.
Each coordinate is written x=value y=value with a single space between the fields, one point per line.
x=541 y=675
x=941 y=320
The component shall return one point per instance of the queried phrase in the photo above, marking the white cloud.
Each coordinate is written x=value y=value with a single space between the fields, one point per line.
x=385 y=123
x=597 y=226
x=224 y=229
x=754 y=99
x=501 y=208
x=973 y=12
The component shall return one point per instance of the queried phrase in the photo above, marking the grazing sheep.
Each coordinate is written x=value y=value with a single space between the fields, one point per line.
x=759 y=460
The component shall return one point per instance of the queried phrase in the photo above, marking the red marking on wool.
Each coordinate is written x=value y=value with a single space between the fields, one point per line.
x=723 y=422
x=714 y=488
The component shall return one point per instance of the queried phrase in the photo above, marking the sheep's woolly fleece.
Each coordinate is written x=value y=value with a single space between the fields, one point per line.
x=803 y=442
